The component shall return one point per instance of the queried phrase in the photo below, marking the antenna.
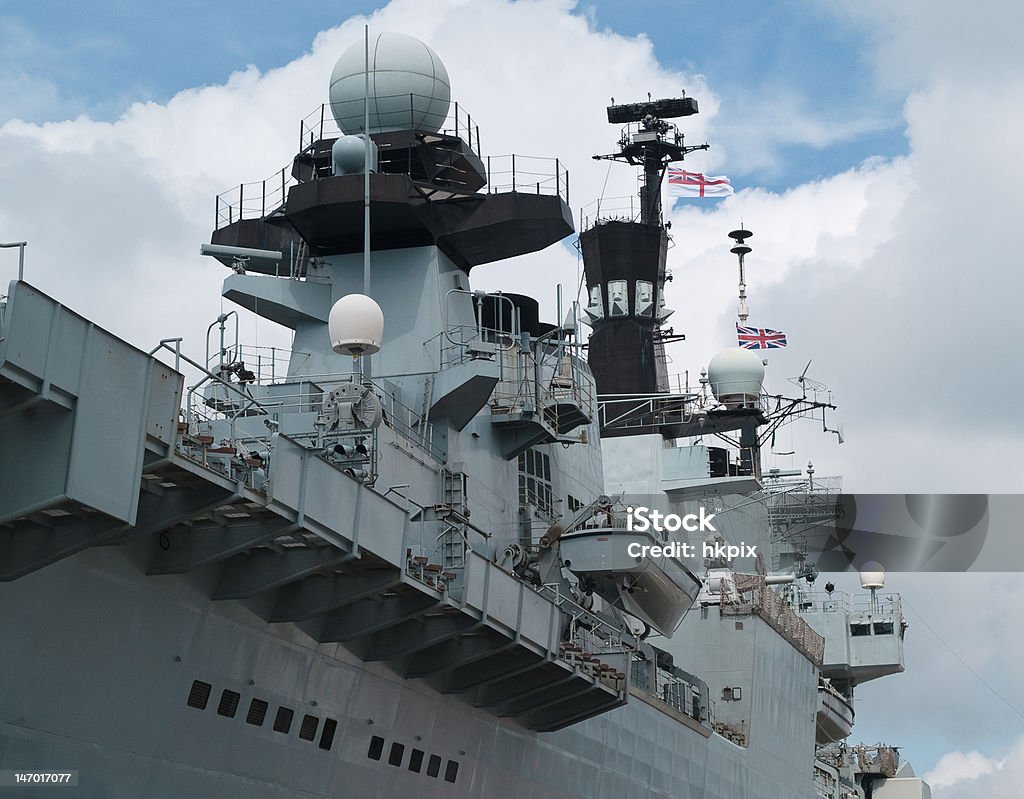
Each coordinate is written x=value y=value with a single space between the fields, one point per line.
x=740 y=249
x=365 y=364
x=651 y=143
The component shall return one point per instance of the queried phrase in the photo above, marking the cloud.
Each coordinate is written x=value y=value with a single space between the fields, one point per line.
x=971 y=775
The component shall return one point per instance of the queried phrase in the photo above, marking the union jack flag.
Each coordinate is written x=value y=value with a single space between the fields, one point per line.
x=760 y=338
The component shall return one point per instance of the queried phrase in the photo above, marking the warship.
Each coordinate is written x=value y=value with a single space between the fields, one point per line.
x=389 y=562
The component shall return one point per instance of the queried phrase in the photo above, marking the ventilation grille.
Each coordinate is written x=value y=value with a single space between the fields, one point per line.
x=307 y=732
x=257 y=712
x=228 y=703
x=199 y=695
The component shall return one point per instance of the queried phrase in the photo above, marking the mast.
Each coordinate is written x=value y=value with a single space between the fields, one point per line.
x=625 y=259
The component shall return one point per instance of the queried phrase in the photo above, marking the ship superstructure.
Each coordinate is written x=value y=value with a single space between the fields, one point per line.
x=386 y=561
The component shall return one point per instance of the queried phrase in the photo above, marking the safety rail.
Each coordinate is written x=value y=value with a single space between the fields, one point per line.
x=253 y=396
x=887 y=605
x=609 y=209
x=674 y=688
x=539 y=377
x=527 y=174
x=389 y=110
x=756 y=598
x=253 y=200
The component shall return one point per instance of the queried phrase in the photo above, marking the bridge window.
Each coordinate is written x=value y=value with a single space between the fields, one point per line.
x=535 y=481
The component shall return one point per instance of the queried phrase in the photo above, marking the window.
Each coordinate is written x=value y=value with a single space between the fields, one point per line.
x=535 y=481
x=397 y=753
x=228 y=704
x=307 y=732
x=257 y=712
x=595 y=309
x=416 y=760
x=433 y=766
x=644 y=298
x=283 y=721
x=376 y=748
x=574 y=504
x=199 y=695
x=883 y=628
x=327 y=736
x=451 y=771
x=860 y=629
x=618 y=302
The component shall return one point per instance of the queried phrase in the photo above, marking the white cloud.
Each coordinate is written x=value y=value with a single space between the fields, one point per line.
x=971 y=775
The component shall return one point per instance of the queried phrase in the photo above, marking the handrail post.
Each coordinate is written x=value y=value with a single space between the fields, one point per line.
x=263 y=201
x=558 y=185
x=216 y=213
x=513 y=171
x=241 y=200
x=322 y=106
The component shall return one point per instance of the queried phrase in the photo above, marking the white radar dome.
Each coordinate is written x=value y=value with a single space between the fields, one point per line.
x=356 y=325
x=409 y=86
x=736 y=376
x=872 y=575
x=348 y=155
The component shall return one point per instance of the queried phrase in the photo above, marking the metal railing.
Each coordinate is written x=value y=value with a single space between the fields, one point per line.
x=757 y=598
x=253 y=200
x=609 y=209
x=527 y=174
x=395 y=110
x=504 y=173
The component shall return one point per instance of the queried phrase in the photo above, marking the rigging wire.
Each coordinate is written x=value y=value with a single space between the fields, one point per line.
x=963 y=662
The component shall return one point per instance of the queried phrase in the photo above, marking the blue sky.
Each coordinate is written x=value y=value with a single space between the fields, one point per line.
x=97 y=58
x=837 y=122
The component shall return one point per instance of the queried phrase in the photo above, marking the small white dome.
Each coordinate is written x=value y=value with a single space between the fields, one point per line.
x=356 y=325
x=409 y=86
x=348 y=155
x=736 y=376
x=872 y=575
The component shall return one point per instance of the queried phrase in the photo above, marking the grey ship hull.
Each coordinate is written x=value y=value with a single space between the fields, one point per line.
x=99 y=659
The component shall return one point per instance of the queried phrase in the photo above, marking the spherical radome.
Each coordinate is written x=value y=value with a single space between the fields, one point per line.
x=872 y=575
x=736 y=376
x=356 y=325
x=409 y=86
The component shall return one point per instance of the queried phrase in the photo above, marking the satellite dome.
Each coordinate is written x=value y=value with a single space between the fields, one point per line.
x=409 y=87
x=736 y=376
x=872 y=575
x=356 y=325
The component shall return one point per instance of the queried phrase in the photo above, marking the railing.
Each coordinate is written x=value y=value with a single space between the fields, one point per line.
x=527 y=174
x=756 y=598
x=253 y=200
x=390 y=111
x=675 y=690
x=888 y=605
x=504 y=173
x=609 y=209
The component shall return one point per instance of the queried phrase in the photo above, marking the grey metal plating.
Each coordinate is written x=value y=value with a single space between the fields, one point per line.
x=308 y=581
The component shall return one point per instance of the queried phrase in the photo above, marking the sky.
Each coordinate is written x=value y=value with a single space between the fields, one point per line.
x=873 y=146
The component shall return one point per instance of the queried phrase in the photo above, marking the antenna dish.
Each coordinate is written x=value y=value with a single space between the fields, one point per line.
x=872 y=575
x=356 y=325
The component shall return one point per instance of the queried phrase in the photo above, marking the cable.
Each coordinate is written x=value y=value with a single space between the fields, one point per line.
x=963 y=662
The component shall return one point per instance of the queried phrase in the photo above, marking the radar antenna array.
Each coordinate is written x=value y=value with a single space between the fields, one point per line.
x=648 y=141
